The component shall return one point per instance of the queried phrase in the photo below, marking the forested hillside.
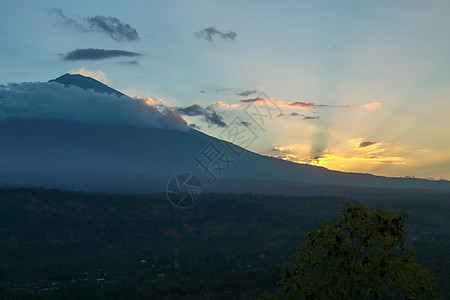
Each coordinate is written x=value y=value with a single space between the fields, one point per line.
x=55 y=243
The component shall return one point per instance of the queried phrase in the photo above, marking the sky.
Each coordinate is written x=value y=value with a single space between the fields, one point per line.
x=355 y=86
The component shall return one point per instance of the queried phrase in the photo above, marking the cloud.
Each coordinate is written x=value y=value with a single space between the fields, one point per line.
x=247 y=93
x=210 y=116
x=210 y=33
x=97 y=54
x=96 y=74
x=54 y=100
x=216 y=119
x=210 y=90
x=296 y=104
x=222 y=105
x=295 y=114
x=372 y=106
x=69 y=21
x=110 y=26
x=113 y=27
x=366 y=144
x=307 y=105
x=151 y=102
x=193 y=110
x=128 y=62
x=194 y=126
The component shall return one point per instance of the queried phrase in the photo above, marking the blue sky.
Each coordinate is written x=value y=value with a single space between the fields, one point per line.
x=393 y=53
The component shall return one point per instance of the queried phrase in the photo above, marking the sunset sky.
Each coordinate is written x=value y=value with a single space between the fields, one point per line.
x=355 y=86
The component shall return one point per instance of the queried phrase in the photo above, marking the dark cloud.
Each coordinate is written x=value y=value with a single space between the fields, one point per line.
x=295 y=114
x=97 y=54
x=216 y=119
x=247 y=93
x=111 y=26
x=54 y=100
x=366 y=144
x=210 y=33
x=128 y=62
x=215 y=90
x=193 y=110
x=194 y=126
x=210 y=116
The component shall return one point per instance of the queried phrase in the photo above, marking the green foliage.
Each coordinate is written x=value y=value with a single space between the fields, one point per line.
x=360 y=255
x=50 y=235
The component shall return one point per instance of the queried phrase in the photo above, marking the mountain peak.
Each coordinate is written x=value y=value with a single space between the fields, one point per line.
x=86 y=83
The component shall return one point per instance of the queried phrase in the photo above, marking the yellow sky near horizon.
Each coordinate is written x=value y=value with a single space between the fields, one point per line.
x=392 y=140
x=387 y=137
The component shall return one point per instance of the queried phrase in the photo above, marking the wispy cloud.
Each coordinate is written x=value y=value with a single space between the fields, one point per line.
x=110 y=26
x=247 y=93
x=308 y=105
x=97 y=54
x=366 y=144
x=128 y=62
x=223 y=105
x=210 y=33
x=372 y=106
x=311 y=117
x=113 y=27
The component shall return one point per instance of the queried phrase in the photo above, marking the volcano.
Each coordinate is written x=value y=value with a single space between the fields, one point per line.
x=72 y=154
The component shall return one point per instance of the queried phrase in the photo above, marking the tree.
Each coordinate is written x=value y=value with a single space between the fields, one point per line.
x=362 y=255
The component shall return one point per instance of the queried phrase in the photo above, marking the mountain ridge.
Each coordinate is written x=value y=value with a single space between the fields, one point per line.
x=108 y=156
x=86 y=83
x=123 y=158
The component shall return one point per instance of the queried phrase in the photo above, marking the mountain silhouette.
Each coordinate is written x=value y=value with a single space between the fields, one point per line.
x=119 y=158
x=86 y=83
